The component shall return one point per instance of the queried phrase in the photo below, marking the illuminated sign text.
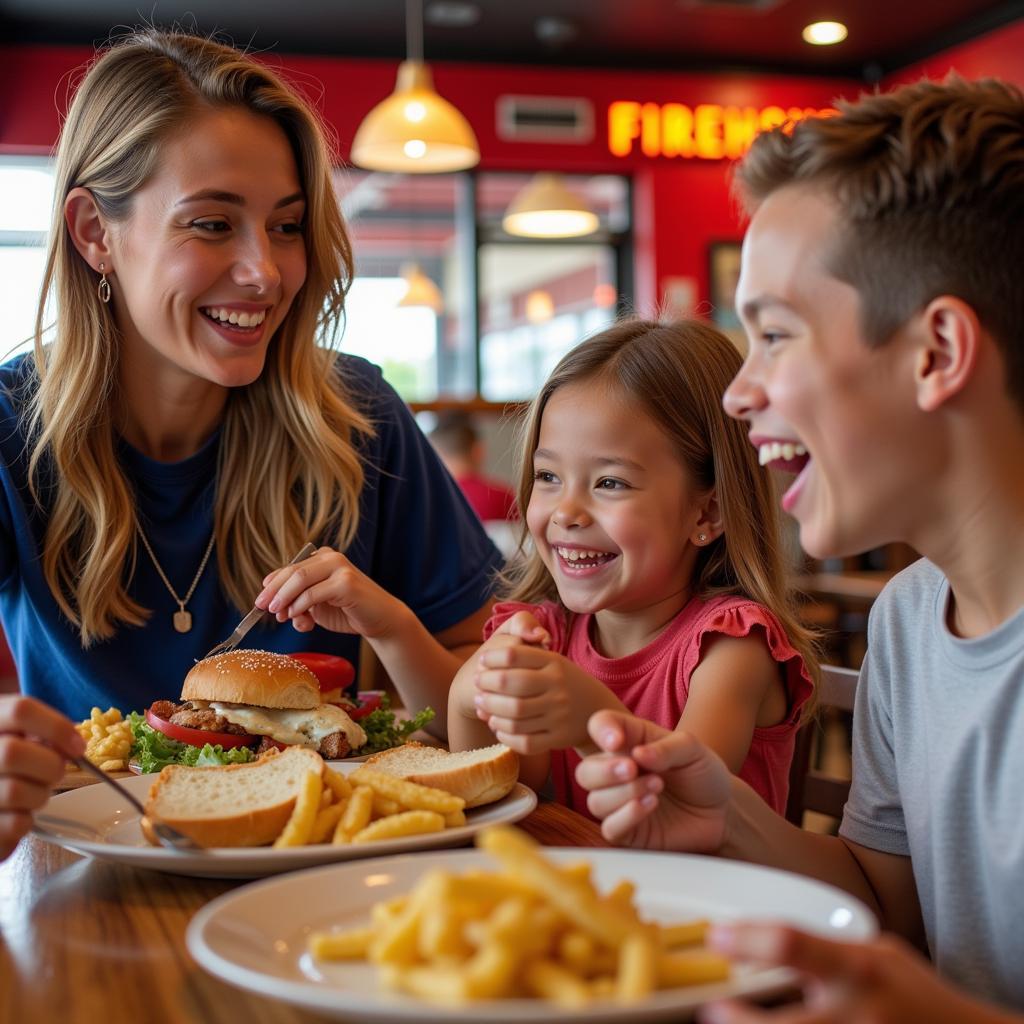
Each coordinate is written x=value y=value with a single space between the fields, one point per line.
x=708 y=131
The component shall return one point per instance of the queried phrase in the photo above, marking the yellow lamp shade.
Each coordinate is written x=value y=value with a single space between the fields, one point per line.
x=420 y=290
x=540 y=306
x=414 y=130
x=546 y=208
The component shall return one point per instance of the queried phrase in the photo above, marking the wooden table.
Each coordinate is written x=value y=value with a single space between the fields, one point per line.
x=86 y=941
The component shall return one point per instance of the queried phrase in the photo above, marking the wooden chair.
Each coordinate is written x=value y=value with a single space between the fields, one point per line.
x=810 y=788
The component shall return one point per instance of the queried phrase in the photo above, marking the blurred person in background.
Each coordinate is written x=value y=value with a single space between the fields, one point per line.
x=462 y=450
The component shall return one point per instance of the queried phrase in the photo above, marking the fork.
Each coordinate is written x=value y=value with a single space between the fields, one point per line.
x=238 y=634
x=168 y=835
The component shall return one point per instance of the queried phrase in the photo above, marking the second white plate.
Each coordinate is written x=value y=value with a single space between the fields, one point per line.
x=255 y=937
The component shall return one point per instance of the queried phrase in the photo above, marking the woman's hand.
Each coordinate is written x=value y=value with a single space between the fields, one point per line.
x=532 y=699
x=653 y=788
x=328 y=590
x=35 y=741
x=880 y=982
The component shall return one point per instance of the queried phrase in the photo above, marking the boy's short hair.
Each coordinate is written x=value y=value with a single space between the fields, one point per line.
x=929 y=184
x=454 y=433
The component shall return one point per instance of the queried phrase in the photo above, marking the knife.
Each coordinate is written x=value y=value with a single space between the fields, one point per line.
x=238 y=634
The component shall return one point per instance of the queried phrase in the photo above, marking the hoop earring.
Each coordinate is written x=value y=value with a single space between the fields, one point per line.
x=103 y=288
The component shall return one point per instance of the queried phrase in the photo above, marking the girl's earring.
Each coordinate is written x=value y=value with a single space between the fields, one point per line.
x=702 y=537
x=103 y=288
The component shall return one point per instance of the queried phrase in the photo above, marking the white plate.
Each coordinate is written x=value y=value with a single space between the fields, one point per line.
x=94 y=820
x=255 y=937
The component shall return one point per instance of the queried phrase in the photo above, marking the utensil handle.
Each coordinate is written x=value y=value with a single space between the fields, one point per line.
x=306 y=551
x=87 y=765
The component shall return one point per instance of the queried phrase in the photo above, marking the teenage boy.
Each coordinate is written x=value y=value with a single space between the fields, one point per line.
x=881 y=292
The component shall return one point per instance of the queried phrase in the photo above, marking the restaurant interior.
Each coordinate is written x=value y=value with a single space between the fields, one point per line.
x=581 y=172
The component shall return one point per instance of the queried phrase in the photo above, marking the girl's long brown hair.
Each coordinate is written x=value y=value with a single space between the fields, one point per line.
x=288 y=468
x=676 y=373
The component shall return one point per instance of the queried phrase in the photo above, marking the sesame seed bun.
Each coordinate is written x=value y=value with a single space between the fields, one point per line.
x=261 y=678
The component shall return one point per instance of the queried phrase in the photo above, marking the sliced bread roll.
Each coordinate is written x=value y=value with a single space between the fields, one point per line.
x=478 y=776
x=232 y=805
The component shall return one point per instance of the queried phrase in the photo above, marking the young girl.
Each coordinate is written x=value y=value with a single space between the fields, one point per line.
x=654 y=581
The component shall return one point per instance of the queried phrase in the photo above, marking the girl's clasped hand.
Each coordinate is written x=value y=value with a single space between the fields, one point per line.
x=532 y=698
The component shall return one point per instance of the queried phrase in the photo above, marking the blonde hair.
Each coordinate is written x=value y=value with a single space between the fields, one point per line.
x=288 y=470
x=676 y=373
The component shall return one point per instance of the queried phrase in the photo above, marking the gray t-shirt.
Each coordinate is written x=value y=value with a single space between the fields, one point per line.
x=938 y=754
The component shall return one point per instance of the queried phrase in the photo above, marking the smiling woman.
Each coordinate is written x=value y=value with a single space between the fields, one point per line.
x=190 y=424
x=200 y=278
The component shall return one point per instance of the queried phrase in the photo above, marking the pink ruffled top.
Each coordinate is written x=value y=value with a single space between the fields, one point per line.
x=654 y=682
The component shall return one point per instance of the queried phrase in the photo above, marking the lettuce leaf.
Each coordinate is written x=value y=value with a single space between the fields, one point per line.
x=383 y=731
x=153 y=750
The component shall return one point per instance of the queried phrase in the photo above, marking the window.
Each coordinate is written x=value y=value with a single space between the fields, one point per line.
x=502 y=310
x=511 y=307
x=26 y=199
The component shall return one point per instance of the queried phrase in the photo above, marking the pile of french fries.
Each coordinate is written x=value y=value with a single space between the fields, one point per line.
x=108 y=739
x=534 y=928
x=366 y=807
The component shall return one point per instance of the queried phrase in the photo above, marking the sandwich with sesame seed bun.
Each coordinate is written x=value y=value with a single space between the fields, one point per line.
x=236 y=705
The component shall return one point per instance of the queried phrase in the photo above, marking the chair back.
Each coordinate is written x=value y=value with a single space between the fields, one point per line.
x=811 y=788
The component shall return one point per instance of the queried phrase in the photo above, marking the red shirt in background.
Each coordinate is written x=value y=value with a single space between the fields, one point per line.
x=489 y=499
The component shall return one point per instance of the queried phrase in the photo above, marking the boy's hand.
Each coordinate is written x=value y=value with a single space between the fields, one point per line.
x=328 y=590
x=35 y=740
x=879 y=982
x=535 y=700
x=653 y=788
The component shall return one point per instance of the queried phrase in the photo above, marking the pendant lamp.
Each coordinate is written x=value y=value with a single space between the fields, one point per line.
x=420 y=290
x=546 y=208
x=414 y=130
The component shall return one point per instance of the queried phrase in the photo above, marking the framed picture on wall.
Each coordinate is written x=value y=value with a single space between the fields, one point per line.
x=723 y=273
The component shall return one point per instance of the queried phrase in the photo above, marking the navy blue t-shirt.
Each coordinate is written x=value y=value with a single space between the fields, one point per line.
x=417 y=538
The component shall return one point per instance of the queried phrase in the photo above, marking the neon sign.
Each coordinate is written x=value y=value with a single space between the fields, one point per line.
x=708 y=131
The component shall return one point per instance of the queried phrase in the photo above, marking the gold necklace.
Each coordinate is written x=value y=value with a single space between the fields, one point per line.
x=182 y=617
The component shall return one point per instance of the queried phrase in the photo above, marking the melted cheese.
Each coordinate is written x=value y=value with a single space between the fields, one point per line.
x=301 y=727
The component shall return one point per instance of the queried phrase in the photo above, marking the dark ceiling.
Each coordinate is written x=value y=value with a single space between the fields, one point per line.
x=649 y=34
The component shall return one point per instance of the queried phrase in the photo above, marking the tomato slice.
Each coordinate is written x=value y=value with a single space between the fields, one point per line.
x=369 y=700
x=332 y=672
x=197 y=737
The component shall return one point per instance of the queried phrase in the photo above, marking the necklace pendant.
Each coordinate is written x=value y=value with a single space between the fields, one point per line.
x=182 y=621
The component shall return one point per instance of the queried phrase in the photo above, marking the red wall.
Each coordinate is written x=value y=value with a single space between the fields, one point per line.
x=680 y=204
x=997 y=54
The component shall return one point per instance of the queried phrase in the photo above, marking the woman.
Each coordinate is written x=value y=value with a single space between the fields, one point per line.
x=183 y=433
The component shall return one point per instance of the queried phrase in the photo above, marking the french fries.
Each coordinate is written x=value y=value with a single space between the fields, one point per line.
x=534 y=928
x=367 y=807
x=108 y=739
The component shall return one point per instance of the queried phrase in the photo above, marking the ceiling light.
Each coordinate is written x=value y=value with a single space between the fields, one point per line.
x=414 y=130
x=824 y=33
x=540 y=306
x=554 y=31
x=546 y=208
x=452 y=14
x=420 y=290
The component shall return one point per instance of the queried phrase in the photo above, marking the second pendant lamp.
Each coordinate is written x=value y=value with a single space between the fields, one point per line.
x=546 y=208
x=414 y=130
